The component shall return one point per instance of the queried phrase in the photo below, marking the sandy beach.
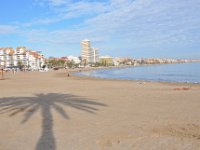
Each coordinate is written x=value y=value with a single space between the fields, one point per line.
x=50 y=111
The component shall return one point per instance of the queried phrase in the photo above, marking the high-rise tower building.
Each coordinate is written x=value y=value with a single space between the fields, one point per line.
x=86 y=50
x=88 y=54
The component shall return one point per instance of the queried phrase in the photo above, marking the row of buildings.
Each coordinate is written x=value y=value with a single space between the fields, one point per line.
x=116 y=61
x=21 y=56
x=91 y=56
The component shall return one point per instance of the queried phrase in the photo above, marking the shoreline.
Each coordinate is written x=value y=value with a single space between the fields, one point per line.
x=74 y=71
x=64 y=72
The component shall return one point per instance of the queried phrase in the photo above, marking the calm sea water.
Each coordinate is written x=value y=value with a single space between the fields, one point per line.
x=186 y=72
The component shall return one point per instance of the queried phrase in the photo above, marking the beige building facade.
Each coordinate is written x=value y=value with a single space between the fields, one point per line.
x=88 y=54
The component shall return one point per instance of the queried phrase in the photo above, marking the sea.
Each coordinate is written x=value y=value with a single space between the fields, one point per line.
x=183 y=73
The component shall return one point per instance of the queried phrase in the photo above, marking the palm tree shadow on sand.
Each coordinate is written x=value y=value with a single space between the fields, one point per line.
x=46 y=103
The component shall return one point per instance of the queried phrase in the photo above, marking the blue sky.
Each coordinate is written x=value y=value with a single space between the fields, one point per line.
x=126 y=28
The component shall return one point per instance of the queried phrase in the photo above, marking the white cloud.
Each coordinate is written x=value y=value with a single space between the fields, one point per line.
x=149 y=20
x=7 y=29
x=57 y=2
x=64 y=10
x=134 y=21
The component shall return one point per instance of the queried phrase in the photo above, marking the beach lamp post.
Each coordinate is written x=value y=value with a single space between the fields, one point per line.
x=28 y=60
x=1 y=68
x=2 y=73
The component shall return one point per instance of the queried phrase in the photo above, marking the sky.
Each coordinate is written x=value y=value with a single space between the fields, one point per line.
x=124 y=28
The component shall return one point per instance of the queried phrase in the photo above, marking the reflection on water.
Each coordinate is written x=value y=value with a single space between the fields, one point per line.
x=186 y=72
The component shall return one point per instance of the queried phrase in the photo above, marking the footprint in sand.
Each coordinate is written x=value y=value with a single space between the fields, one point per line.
x=113 y=140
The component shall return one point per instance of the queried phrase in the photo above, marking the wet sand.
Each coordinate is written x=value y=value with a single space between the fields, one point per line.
x=50 y=111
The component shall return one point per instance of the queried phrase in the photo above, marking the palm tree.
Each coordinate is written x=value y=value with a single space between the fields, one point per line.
x=46 y=102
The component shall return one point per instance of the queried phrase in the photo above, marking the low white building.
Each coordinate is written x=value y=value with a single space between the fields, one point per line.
x=106 y=60
x=75 y=59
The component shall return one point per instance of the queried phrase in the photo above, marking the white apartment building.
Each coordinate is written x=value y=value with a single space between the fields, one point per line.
x=35 y=60
x=20 y=56
x=88 y=54
x=95 y=55
x=6 y=56
x=30 y=59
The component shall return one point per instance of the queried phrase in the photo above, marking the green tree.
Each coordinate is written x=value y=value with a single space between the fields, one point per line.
x=71 y=64
x=84 y=62
x=20 y=65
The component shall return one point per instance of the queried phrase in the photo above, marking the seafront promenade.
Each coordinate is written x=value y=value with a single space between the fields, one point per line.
x=50 y=111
